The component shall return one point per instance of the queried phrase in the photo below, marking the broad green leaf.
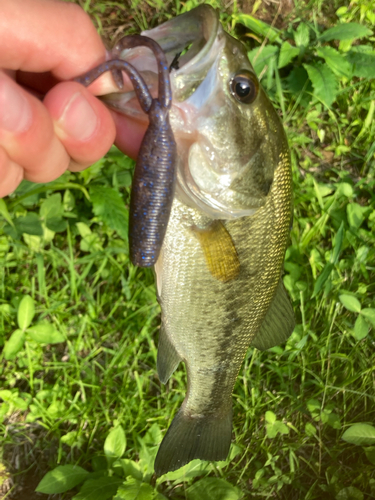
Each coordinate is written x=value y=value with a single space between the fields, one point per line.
x=20 y=403
x=361 y=328
x=322 y=278
x=270 y=417
x=130 y=468
x=110 y=208
x=349 y=493
x=68 y=201
x=153 y=436
x=370 y=453
x=192 y=469
x=213 y=488
x=363 y=63
x=99 y=464
x=336 y=61
x=345 y=189
x=4 y=410
x=72 y=438
x=258 y=27
x=6 y=395
x=56 y=409
x=159 y=496
x=314 y=406
x=332 y=419
x=133 y=489
x=29 y=224
x=115 y=443
x=302 y=35
x=356 y=215
x=360 y=434
x=324 y=82
x=297 y=79
x=45 y=333
x=26 y=311
x=124 y=178
x=91 y=243
x=61 y=479
x=147 y=457
x=6 y=309
x=14 y=344
x=276 y=428
x=271 y=431
x=99 y=489
x=262 y=57
x=83 y=229
x=369 y=314
x=56 y=224
x=310 y=429
x=299 y=85
x=51 y=207
x=350 y=303
x=287 y=53
x=348 y=31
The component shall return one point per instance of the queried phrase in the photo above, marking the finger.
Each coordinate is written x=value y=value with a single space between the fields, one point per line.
x=49 y=36
x=11 y=174
x=82 y=123
x=129 y=134
x=27 y=134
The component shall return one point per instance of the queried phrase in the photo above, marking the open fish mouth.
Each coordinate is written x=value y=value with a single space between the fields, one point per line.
x=187 y=42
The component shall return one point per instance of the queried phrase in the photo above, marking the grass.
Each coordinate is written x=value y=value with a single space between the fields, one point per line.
x=293 y=403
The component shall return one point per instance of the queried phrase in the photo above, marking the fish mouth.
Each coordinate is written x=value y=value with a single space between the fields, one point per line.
x=187 y=42
x=195 y=31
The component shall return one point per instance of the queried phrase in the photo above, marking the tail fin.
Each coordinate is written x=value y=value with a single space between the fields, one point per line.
x=206 y=437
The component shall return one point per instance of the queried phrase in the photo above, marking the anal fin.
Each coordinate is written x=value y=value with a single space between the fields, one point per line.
x=278 y=323
x=168 y=359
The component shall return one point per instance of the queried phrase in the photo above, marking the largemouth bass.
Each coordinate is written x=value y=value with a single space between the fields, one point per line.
x=219 y=271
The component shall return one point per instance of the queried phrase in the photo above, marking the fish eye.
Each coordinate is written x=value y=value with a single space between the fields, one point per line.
x=244 y=87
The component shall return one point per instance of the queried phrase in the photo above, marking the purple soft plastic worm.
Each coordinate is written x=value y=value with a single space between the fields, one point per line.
x=155 y=173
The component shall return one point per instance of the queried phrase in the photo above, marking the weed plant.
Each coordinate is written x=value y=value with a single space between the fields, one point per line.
x=81 y=407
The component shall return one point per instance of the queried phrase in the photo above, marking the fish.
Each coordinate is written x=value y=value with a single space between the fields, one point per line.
x=219 y=272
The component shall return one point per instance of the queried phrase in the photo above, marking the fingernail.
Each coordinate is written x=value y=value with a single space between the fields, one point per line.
x=78 y=120
x=15 y=114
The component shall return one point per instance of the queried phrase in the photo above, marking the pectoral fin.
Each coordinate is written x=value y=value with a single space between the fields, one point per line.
x=219 y=251
x=168 y=359
x=278 y=323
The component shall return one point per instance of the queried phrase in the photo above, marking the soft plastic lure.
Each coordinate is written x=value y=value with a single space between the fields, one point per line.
x=155 y=172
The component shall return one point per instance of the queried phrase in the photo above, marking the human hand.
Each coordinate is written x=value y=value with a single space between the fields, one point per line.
x=44 y=42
